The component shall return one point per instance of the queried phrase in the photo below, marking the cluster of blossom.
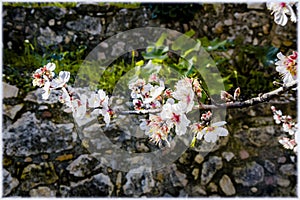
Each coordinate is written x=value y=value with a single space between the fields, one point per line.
x=79 y=104
x=147 y=96
x=281 y=10
x=289 y=126
x=287 y=66
x=44 y=77
x=175 y=105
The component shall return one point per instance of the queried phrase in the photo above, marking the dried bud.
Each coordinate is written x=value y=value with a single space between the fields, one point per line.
x=237 y=93
x=226 y=96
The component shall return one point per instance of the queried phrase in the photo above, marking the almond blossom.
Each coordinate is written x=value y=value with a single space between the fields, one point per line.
x=156 y=129
x=42 y=73
x=79 y=106
x=289 y=126
x=288 y=143
x=184 y=93
x=280 y=11
x=287 y=66
x=174 y=115
x=212 y=132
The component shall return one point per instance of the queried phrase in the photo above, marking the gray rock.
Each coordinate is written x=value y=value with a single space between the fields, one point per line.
x=258 y=6
x=98 y=185
x=19 y=14
x=209 y=169
x=9 y=182
x=250 y=175
x=38 y=174
x=83 y=165
x=36 y=97
x=269 y=166
x=282 y=182
x=199 y=190
x=11 y=111
x=64 y=190
x=9 y=91
x=195 y=173
x=42 y=192
x=199 y=158
x=228 y=156
x=88 y=24
x=288 y=169
x=49 y=37
x=139 y=181
x=177 y=178
x=118 y=49
x=212 y=187
x=227 y=186
x=29 y=136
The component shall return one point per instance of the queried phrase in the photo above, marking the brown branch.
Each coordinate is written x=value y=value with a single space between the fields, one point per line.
x=237 y=104
x=253 y=101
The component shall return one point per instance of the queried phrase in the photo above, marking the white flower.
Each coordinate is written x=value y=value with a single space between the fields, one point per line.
x=99 y=99
x=175 y=115
x=288 y=143
x=280 y=11
x=62 y=79
x=184 y=93
x=212 y=132
x=65 y=98
x=287 y=66
x=46 y=88
x=156 y=128
x=79 y=107
x=40 y=74
x=154 y=93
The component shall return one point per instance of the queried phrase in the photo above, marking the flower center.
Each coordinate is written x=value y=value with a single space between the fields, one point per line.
x=282 y=4
x=176 y=118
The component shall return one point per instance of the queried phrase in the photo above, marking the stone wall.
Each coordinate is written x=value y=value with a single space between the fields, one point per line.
x=87 y=24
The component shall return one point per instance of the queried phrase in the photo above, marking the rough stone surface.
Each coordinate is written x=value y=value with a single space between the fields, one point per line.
x=9 y=91
x=288 y=169
x=209 y=169
x=11 y=111
x=29 y=136
x=139 y=181
x=269 y=166
x=34 y=175
x=85 y=164
x=9 y=182
x=36 y=96
x=227 y=186
x=250 y=175
x=98 y=185
x=88 y=24
x=228 y=156
x=42 y=192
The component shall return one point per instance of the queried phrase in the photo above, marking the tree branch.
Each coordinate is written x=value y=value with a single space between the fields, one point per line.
x=253 y=101
x=237 y=104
